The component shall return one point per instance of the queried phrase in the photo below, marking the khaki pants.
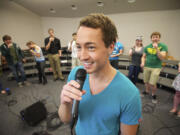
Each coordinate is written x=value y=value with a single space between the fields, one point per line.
x=75 y=62
x=151 y=75
x=55 y=65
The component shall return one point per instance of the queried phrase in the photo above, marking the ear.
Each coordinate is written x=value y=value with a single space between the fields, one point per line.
x=111 y=48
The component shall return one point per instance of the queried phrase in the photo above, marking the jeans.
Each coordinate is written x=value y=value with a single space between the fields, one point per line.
x=18 y=68
x=133 y=73
x=114 y=63
x=40 y=67
x=1 y=88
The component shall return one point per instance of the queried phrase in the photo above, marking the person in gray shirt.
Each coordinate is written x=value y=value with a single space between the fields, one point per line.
x=136 y=53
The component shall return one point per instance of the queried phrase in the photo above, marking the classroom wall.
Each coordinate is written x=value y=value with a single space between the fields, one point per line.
x=21 y=24
x=129 y=25
x=24 y=25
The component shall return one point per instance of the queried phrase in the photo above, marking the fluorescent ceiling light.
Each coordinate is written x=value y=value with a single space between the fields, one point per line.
x=51 y=10
x=131 y=1
x=100 y=4
x=73 y=7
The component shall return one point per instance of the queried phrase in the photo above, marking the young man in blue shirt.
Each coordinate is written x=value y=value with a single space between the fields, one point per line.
x=109 y=102
x=114 y=57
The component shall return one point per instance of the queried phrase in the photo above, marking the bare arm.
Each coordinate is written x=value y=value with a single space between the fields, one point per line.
x=68 y=94
x=143 y=59
x=120 y=52
x=49 y=43
x=161 y=55
x=70 y=46
x=130 y=52
x=60 y=53
x=128 y=129
x=65 y=112
x=35 y=53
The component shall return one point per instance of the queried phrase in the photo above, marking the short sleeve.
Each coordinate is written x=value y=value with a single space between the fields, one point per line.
x=131 y=114
x=69 y=45
x=38 y=49
x=120 y=46
x=145 y=50
x=164 y=48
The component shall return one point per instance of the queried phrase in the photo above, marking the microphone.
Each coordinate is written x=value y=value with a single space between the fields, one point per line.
x=80 y=78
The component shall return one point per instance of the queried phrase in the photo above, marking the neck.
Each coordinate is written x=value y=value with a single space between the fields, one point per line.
x=138 y=45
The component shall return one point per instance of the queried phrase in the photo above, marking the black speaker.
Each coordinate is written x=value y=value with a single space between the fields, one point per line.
x=34 y=114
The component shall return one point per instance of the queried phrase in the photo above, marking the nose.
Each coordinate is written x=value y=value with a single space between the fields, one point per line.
x=83 y=54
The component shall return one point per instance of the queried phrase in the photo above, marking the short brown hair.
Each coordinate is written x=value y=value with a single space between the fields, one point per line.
x=30 y=43
x=50 y=29
x=6 y=37
x=74 y=34
x=108 y=28
x=156 y=33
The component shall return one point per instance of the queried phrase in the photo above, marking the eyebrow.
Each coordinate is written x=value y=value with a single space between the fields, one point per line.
x=87 y=43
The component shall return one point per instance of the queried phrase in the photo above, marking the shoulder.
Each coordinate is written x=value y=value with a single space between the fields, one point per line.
x=1 y=45
x=57 y=39
x=14 y=44
x=38 y=48
x=163 y=47
x=119 y=44
x=125 y=86
x=46 y=39
x=148 y=46
x=162 y=44
x=126 y=89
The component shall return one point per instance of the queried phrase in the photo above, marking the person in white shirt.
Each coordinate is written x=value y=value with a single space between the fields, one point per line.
x=73 y=49
x=40 y=60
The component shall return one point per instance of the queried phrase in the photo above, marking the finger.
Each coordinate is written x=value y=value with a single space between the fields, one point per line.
x=67 y=100
x=72 y=90
x=71 y=95
x=74 y=83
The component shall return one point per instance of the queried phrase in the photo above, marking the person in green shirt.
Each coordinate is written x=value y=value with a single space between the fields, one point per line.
x=151 y=61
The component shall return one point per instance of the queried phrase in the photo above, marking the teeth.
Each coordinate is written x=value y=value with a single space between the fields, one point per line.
x=85 y=63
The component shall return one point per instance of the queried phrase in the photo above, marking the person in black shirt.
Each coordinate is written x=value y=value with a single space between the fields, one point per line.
x=53 y=47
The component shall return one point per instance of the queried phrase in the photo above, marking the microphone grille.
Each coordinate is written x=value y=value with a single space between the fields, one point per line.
x=81 y=74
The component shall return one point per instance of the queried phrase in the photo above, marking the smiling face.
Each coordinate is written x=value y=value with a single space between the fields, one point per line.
x=91 y=49
x=155 y=38
x=7 y=42
x=138 y=42
x=51 y=33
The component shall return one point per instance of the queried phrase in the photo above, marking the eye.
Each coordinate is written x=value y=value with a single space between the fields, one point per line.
x=91 y=48
x=78 y=47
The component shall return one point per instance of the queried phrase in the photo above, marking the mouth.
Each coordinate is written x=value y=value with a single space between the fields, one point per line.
x=87 y=65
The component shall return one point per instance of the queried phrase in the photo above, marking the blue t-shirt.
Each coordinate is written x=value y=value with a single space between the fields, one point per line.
x=101 y=114
x=118 y=46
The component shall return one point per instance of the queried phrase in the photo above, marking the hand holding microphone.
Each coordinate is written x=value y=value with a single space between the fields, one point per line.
x=70 y=96
x=71 y=92
x=9 y=45
x=155 y=45
x=51 y=39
